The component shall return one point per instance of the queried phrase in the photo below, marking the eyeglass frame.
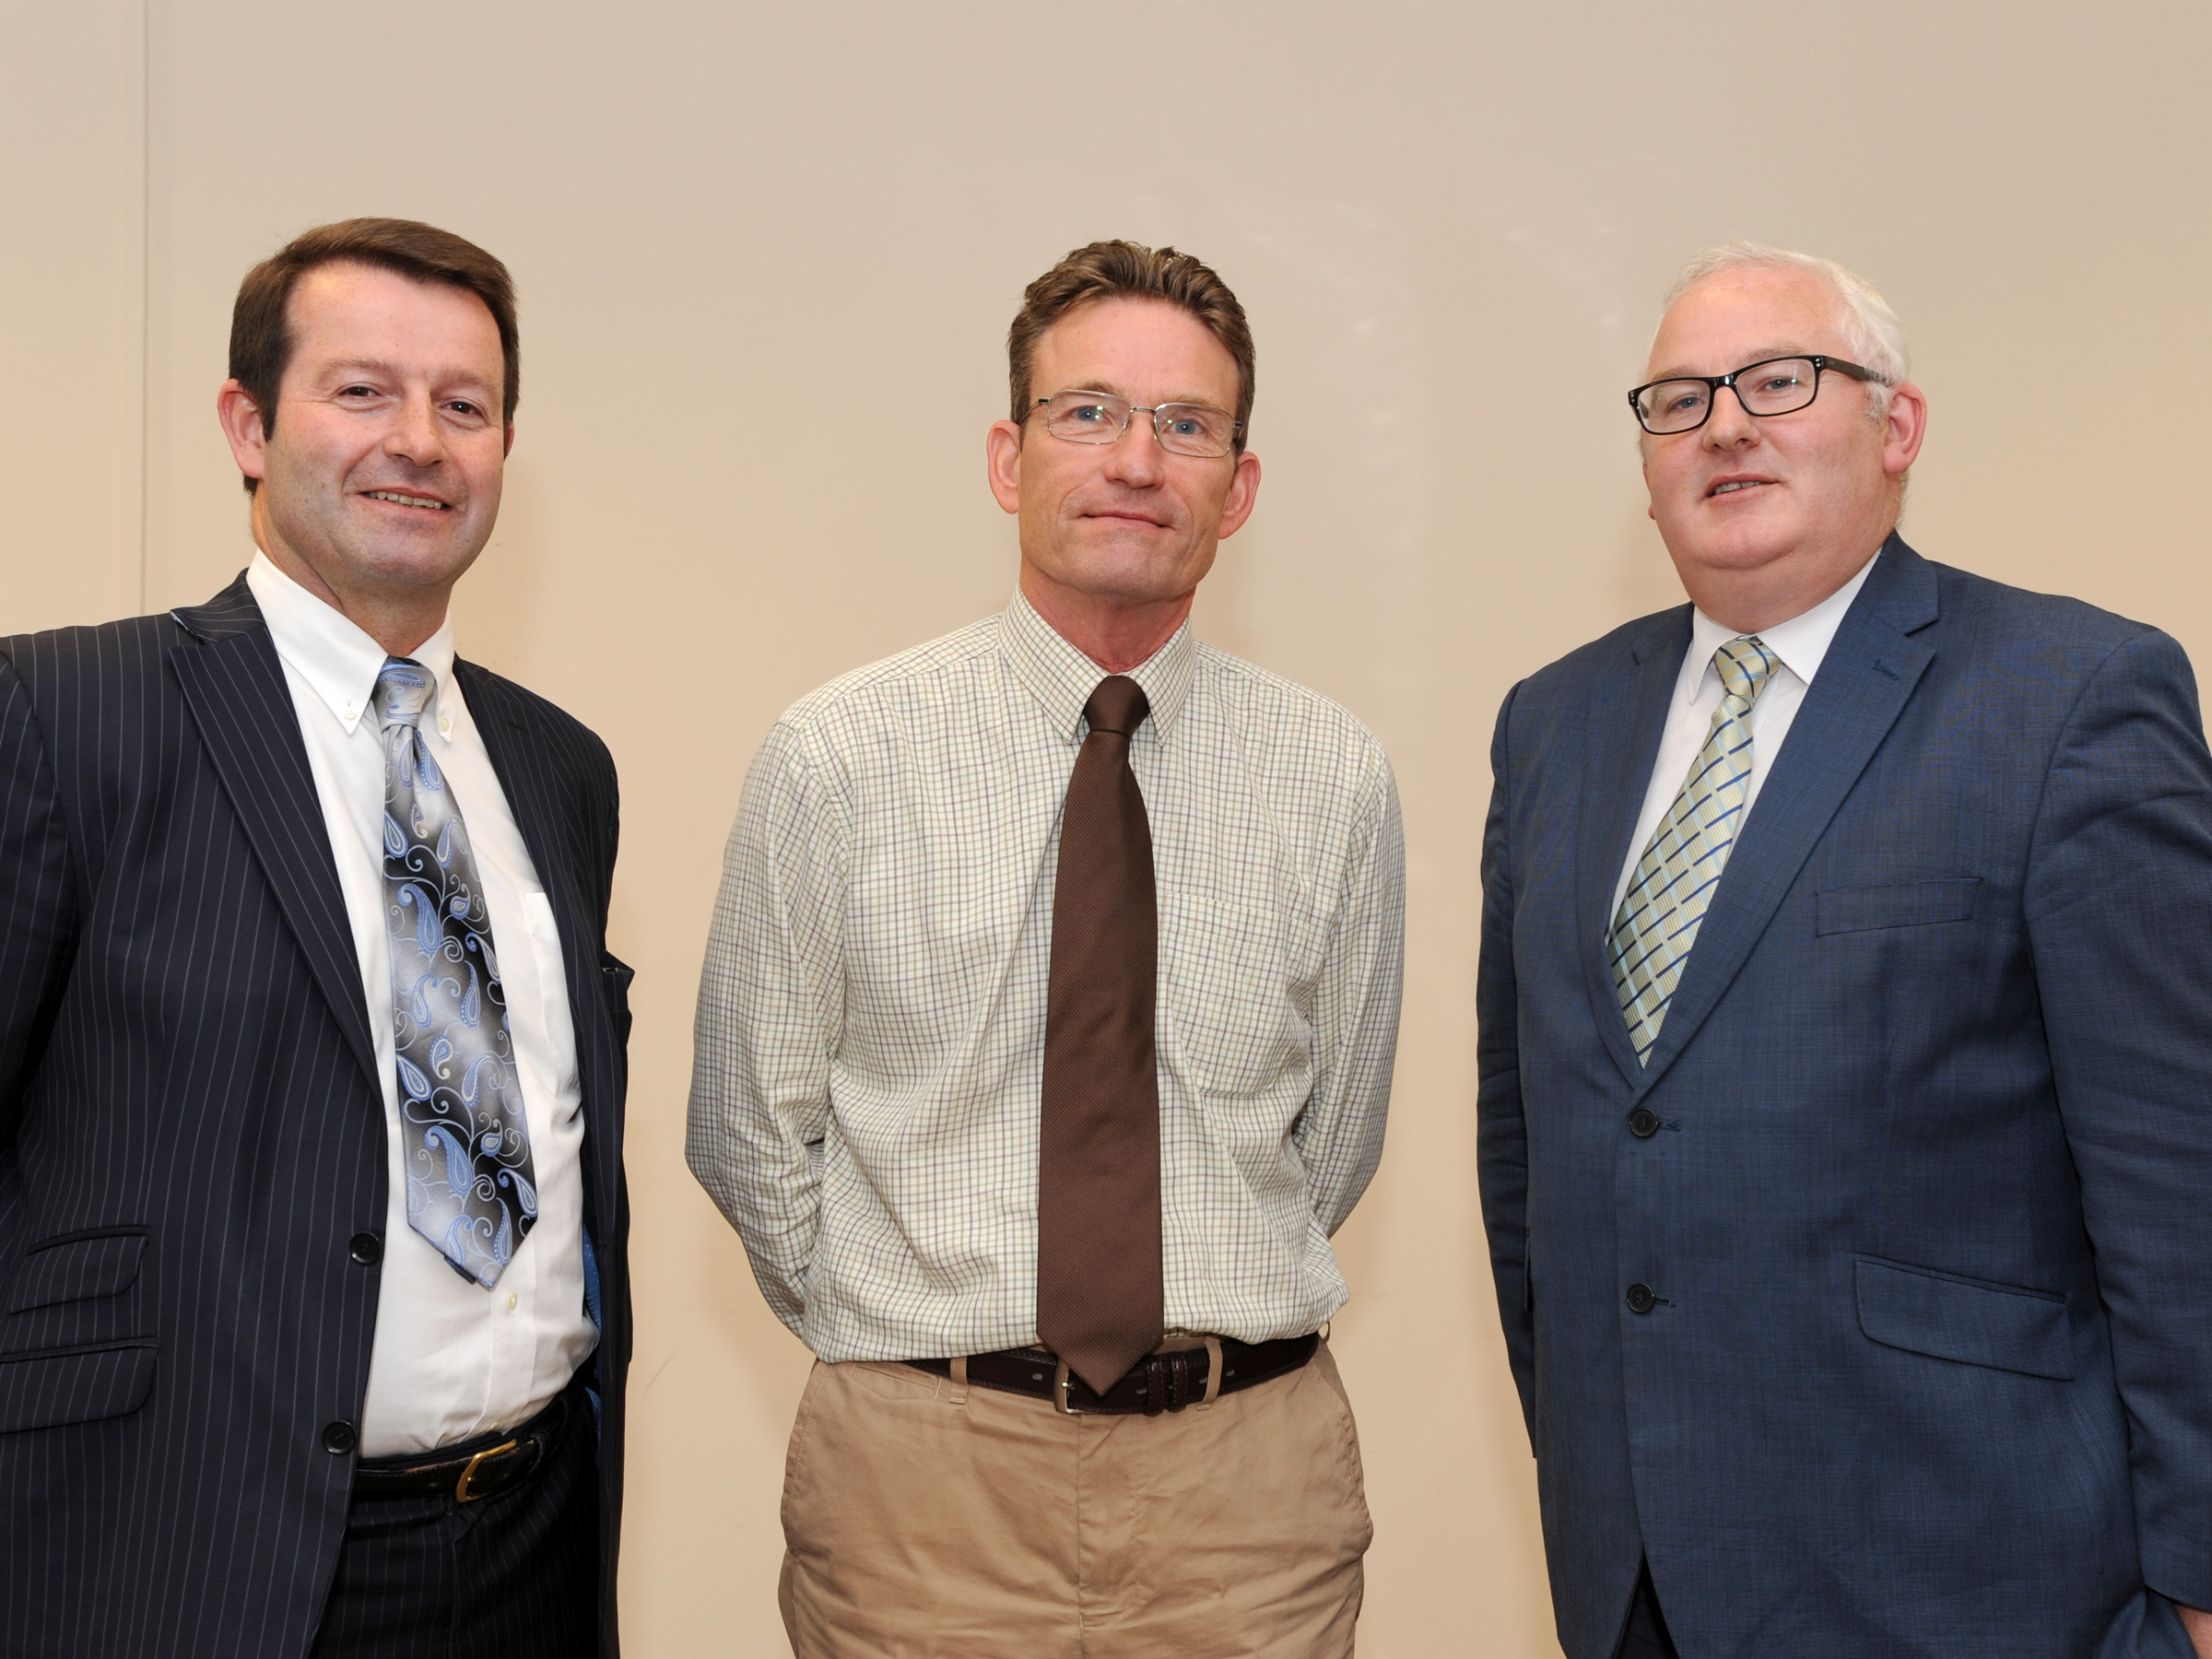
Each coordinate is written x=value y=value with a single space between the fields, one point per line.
x=1236 y=427
x=1716 y=383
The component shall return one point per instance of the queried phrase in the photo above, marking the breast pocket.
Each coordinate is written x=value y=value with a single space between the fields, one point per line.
x=1228 y=983
x=1896 y=904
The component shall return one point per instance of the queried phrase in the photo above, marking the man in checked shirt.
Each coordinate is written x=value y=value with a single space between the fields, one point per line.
x=1046 y=1037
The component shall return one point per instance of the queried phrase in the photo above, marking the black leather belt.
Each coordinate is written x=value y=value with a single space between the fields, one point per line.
x=1161 y=1382
x=469 y=1469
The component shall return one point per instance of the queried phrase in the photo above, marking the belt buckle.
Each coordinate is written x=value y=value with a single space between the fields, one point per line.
x=1060 y=1393
x=461 y=1493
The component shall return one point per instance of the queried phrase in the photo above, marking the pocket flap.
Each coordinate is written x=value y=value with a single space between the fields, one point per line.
x=45 y=1391
x=76 y=1268
x=1969 y=1320
x=1896 y=904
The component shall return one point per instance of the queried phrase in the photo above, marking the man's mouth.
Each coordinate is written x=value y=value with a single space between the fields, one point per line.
x=405 y=500
x=1731 y=485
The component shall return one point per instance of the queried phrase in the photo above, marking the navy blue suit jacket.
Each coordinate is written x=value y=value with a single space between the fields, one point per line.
x=191 y=1131
x=1923 y=1193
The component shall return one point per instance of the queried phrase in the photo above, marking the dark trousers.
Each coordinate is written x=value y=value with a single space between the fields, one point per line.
x=1646 y=1636
x=511 y=1575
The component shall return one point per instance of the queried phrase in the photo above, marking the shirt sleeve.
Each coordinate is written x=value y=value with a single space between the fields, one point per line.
x=1339 y=1135
x=771 y=1009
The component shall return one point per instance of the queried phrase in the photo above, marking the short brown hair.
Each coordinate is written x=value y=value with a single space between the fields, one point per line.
x=261 y=336
x=1127 y=270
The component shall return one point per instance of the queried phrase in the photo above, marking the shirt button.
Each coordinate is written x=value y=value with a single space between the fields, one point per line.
x=339 y=1439
x=514 y=1300
x=366 y=1248
x=1644 y=1122
x=1641 y=1298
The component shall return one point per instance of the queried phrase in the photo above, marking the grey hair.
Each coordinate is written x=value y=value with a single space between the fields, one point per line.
x=1871 y=330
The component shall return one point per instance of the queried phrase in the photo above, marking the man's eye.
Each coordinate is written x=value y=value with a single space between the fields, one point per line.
x=460 y=408
x=1090 y=413
x=358 y=392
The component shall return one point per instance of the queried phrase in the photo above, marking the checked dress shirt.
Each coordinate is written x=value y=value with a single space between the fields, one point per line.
x=871 y=1021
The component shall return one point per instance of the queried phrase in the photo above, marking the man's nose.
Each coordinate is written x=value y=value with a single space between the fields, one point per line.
x=414 y=435
x=1729 y=426
x=1135 y=457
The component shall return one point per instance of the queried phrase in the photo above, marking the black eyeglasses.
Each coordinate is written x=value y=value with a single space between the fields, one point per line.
x=1184 y=429
x=1777 y=386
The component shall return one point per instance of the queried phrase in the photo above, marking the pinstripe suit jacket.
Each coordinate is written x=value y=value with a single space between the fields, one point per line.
x=192 y=1130
x=1918 y=1174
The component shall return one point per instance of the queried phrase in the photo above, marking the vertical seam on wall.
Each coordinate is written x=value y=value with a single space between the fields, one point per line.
x=146 y=285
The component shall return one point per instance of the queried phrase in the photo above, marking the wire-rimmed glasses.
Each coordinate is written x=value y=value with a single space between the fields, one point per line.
x=1182 y=429
x=1773 y=386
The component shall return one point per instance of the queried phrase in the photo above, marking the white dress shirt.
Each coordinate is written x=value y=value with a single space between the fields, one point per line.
x=451 y=1359
x=871 y=1022
x=1801 y=642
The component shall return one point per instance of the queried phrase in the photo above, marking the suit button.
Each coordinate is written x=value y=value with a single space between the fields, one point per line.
x=339 y=1439
x=367 y=1249
x=1644 y=1122
x=1641 y=1300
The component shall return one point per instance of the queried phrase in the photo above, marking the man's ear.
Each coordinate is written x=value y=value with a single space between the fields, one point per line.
x=1905 y=430
x=1002 y=455
x=241 y=418
x=507 y=448
x=1243 y=494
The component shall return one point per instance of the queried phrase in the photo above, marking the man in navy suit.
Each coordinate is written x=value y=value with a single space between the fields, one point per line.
x=1846 y=1054
x=314 y=1307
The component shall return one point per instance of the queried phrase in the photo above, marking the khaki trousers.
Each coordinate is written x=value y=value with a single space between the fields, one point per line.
x=922 y=1519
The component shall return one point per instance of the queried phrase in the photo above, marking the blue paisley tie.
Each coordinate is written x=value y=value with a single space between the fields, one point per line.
x=471 y=1190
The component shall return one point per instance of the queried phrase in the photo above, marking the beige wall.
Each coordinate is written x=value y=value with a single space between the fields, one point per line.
x=1448 y=223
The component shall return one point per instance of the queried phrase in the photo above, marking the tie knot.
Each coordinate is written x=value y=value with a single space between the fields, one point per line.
x=1118 y=705
x=403 y=692
x=1744 y=665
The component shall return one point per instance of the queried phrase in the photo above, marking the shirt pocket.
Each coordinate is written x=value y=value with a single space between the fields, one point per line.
x=1226 y=993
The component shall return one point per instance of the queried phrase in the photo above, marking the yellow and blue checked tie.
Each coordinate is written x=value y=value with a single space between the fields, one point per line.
x=1675 y=880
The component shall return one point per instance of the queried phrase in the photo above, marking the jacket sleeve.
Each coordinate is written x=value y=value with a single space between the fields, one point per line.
x=770 y=1013
x=38 y=898
x=1502 y=1140
x=2119 y=914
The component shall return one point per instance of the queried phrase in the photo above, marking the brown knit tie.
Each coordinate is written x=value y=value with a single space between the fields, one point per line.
x=1100 y=1297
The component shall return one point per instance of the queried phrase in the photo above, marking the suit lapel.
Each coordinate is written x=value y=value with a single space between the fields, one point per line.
x=1627 y=715
x=1863 y=685
x=234 y=685
x=533 y=797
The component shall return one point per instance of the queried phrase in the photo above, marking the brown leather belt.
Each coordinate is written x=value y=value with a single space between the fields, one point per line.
x=1167 y=1381
x=469 y=1469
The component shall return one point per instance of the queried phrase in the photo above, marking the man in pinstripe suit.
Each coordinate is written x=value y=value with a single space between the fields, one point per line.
x=313 y=1296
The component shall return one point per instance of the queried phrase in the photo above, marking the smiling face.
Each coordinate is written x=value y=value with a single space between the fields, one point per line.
x=381 y=483
x=1123 y=526
x=1766 y=516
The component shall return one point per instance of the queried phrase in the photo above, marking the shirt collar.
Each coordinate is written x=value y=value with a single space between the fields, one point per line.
x=320 y=644
x=1062 y=679
x=1802 y=643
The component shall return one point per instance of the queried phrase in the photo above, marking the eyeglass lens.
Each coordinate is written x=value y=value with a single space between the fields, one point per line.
x=1775 y=388
x=1101 y=417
